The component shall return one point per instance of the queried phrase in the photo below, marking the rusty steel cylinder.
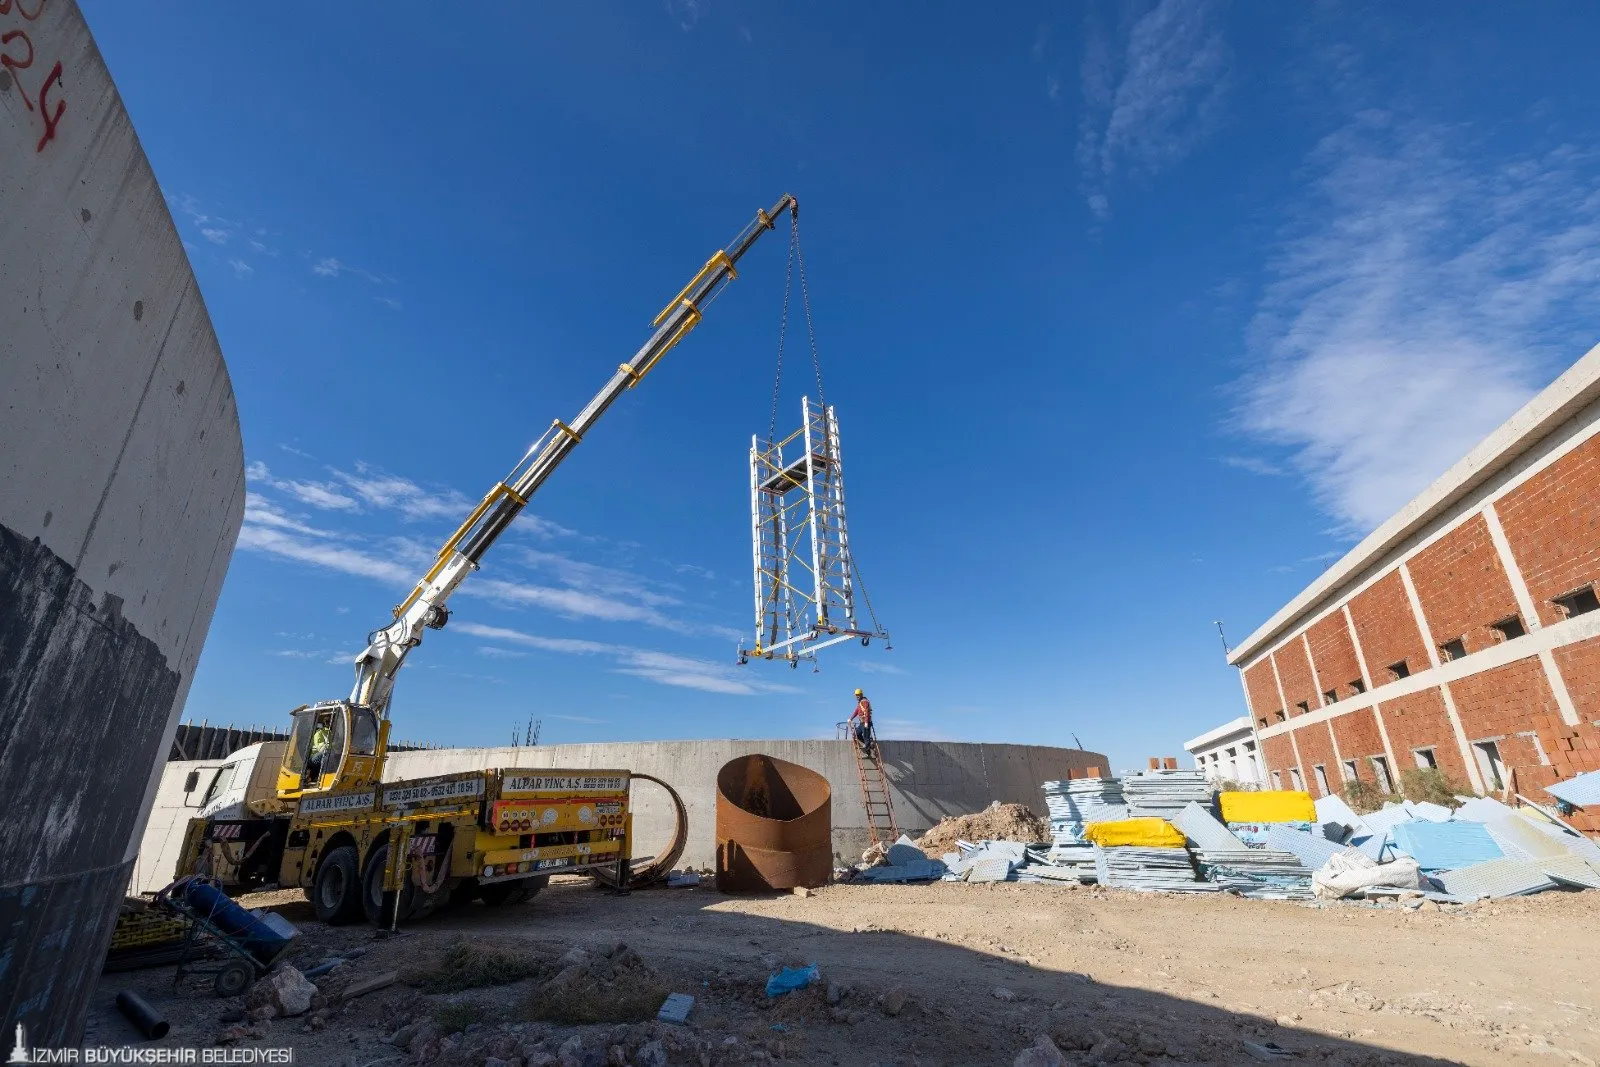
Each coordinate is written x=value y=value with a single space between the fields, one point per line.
x=774 y=826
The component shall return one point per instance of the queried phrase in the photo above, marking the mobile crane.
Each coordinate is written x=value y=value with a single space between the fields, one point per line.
x=397 y=850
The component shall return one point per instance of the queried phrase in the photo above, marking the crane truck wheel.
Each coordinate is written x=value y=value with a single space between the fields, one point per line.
x=378 y=904
x=336 y=890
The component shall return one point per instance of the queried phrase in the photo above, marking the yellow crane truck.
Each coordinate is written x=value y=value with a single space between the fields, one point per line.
x=396 y=850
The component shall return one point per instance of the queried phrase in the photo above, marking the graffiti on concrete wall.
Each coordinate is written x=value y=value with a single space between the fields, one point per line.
x=23 y=67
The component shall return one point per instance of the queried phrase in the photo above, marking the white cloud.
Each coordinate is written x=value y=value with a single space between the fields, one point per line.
x=331 y=267
x=259 y=511
x=241 y=269
x=318 y=494
x=286 y=544
x=687 y=12
x=1252 y=464
x=389 y=302
x=663 y=668
x=878 y=666
x=1150 y=99
x=1417 y=301
x=569 y=602
x=216 y=236
x=593 y=578
x=492 y=652
x=379 y=489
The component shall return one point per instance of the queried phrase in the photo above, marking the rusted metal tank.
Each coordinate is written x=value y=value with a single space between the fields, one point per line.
x=774 y=826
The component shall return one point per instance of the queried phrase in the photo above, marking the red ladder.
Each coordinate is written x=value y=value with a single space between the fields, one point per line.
x=875 y=794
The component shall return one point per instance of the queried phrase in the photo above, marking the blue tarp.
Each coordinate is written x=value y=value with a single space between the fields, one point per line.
x=1445 y=846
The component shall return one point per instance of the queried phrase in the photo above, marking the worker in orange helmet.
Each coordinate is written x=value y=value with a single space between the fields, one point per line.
x=861 y=720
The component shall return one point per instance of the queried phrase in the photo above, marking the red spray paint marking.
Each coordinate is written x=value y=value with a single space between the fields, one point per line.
x=14 y=64
x=44 y=107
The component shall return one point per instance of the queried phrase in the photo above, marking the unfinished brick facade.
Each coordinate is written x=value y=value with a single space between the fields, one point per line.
x=1299 y=688
x=1387 y=628
x=1358 y=736
x=1525 y=691
x=1419 y=722
x=1262 y=689
x=1463 y=587
x=1553 y=523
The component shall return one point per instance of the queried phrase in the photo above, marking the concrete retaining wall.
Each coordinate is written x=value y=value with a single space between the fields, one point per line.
x=928 y=779
x=121 y=495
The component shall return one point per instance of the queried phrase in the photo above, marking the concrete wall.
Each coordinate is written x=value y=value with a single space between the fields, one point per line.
x=928 y=779
x=121 y=494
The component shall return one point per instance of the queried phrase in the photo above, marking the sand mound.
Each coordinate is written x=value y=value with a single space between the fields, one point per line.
x=997 y=822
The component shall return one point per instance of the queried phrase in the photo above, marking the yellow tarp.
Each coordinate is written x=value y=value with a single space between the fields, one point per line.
x=1146 y=833
x=1283 y=805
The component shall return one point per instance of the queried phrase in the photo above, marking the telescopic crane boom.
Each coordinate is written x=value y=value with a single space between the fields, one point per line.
x=425 y=607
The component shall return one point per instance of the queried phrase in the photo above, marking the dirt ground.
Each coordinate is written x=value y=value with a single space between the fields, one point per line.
x=963 y=974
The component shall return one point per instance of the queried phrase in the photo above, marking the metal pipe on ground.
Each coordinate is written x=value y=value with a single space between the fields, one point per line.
x=774 y=826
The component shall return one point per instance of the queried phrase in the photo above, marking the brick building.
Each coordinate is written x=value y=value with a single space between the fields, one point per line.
x=1461 y=634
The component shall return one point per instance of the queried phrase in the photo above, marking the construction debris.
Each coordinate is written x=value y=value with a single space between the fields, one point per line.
x=1077 y=802
x=1162 y=794
x=1273 y=846
x=997 y=822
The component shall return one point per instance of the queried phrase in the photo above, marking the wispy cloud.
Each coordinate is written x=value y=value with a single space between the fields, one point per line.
x=241 y=269
x=1253 y=465
x=215 y=235
x=389 y=302
x=492 y=652
x=344 y=558
x=259 y=511
x=878 y=666
x=1151 y=95
x=687 y=13
x=379 y=489
x=663 y=668
x=331 y=267
x=1418 y=300
x=323 y=495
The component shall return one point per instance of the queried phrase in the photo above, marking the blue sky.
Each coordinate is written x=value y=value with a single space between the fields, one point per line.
x=1135 y=317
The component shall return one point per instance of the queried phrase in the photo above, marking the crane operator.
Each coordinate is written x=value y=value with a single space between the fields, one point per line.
x=861 y=720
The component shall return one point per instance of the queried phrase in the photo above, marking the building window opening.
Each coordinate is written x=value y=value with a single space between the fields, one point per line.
x=1510 y=628
x=1350 y=774
x=1277 y=779
x=1426 y=759
x=1357 y=686
x=1454 y=649
x=1263 y=723
x=1298 y=781
x=1322 y=778
x=1305 y=707
x=1380 y=769
x=1399 y=670
x=1578 y=602
x=1493 y=770
x=1282 y=716
x=1331 y=696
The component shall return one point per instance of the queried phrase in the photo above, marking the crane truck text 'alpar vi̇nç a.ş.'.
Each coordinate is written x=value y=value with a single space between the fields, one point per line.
x=396 y=850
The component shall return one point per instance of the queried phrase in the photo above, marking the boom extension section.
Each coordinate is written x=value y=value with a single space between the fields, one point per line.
x=425 y=606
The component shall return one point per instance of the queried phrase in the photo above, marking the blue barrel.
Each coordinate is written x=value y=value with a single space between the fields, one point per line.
x=242 y=928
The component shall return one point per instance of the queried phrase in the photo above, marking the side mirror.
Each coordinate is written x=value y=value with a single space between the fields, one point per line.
x=191 y=781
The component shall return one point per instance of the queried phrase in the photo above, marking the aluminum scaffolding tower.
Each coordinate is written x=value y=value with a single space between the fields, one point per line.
x=805 y=579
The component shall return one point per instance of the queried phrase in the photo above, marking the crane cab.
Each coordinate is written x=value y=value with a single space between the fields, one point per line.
x=332 y=745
